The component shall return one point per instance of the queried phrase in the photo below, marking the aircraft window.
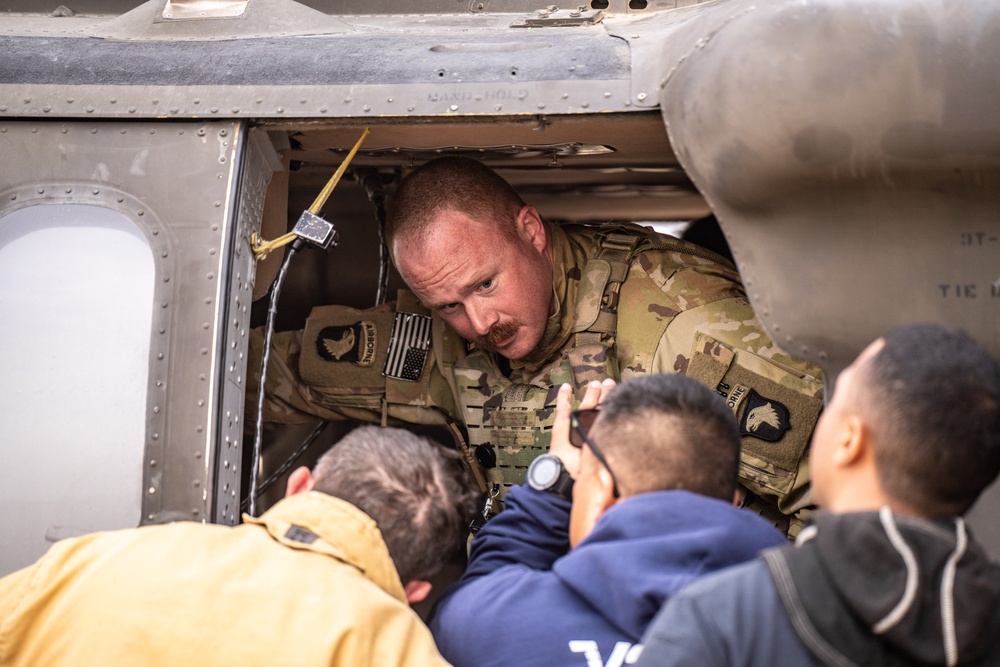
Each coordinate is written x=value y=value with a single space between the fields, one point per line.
x=76 y=302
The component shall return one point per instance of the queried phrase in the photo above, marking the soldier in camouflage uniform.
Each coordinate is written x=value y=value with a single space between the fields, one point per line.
x=506 y=307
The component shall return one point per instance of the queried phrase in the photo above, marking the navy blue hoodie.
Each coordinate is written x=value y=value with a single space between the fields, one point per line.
x=525 y=601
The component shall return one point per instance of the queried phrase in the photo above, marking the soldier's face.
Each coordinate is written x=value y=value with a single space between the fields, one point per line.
x=490 y=288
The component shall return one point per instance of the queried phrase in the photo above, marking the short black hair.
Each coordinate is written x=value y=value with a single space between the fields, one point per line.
x=670 y=432
x=932 y=399
x=416 y=490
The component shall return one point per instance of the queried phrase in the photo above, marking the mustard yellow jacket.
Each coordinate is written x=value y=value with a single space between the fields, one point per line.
x=308 y=583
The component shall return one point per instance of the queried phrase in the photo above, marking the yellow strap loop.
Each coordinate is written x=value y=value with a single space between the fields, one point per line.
x=261 y=248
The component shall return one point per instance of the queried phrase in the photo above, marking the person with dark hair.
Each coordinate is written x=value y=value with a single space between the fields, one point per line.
x=633 y=501
x=888 y=574
x=504 y=307
x=322 y=578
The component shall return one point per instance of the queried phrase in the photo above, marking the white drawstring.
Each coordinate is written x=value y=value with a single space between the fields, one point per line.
x=948 y=595
x=806 y=534
x=912 y=573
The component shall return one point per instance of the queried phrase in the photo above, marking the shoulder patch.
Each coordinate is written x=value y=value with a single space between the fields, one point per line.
x=408 y=347
x=764 y=418
x=355 y=343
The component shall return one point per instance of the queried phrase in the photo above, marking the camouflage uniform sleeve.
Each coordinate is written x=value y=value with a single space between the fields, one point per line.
x=334 y=369
x=683 y=314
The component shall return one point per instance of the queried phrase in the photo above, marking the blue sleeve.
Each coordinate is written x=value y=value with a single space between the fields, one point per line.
x=515 y=548
x=532 y=531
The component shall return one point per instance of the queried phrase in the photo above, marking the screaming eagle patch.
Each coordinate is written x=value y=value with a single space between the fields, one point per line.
x=354 y=343
x=764 y=418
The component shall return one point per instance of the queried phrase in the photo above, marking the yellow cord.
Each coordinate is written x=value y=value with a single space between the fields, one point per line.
x=261 y=248
x=332 y=183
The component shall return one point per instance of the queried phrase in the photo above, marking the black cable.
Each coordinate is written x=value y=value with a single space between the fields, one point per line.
x=272 y=311
x=289 y=462
x=371 y=181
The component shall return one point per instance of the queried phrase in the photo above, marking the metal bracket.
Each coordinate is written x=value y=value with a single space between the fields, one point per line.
x=315 y=230
x=185 y=10
x=552 y=16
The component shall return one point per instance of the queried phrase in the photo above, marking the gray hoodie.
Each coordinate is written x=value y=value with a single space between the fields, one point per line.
x=873 y=588
x=866 y=589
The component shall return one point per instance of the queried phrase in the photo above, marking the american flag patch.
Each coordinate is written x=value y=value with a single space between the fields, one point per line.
x=408 y=347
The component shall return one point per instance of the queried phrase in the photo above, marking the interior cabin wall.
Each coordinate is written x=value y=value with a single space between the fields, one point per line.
x=632 y=174
x=565 y=188
x=344 y=274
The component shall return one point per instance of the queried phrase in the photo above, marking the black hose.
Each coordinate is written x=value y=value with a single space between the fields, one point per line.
x=371 y=181
x=272 y=311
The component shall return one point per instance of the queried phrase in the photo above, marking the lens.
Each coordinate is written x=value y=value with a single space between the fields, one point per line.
x=580 y=422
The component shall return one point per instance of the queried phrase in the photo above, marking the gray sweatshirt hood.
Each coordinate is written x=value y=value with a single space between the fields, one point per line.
x=873 y=588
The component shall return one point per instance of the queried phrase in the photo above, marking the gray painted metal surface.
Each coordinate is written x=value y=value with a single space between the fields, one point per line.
x=237 y=280
x=302 y=77
x=282 y=59
x=177 y=182
x=853 y=159
x=866 y=194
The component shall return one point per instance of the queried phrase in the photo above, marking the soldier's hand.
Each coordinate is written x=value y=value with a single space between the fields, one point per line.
x=560 y=446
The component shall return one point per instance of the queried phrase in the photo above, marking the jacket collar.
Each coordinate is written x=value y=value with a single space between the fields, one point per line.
x=320 y=523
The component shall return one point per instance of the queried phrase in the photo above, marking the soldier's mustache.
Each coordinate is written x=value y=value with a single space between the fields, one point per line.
x=498 y=334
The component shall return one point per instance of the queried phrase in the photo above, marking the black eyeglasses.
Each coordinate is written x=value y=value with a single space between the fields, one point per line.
x=580 y=422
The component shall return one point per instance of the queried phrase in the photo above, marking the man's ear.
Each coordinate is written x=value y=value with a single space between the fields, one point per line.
x=417 y=590
x=855 y=444
x=606 y=490
x=531 y=228
x=300 y=481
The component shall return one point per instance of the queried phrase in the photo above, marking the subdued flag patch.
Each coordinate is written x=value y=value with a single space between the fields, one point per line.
x=408 y=347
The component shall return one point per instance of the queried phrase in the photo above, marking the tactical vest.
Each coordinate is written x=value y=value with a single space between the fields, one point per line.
x=509 y=424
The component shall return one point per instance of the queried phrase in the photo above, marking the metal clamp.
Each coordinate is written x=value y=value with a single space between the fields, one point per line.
x=552 y=16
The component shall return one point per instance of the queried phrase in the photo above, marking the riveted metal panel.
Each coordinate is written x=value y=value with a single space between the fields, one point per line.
x=649 y=36
x=259 y=161
x=433 y=69
x=176 y=181
x=362 y=7
x=294 y=102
